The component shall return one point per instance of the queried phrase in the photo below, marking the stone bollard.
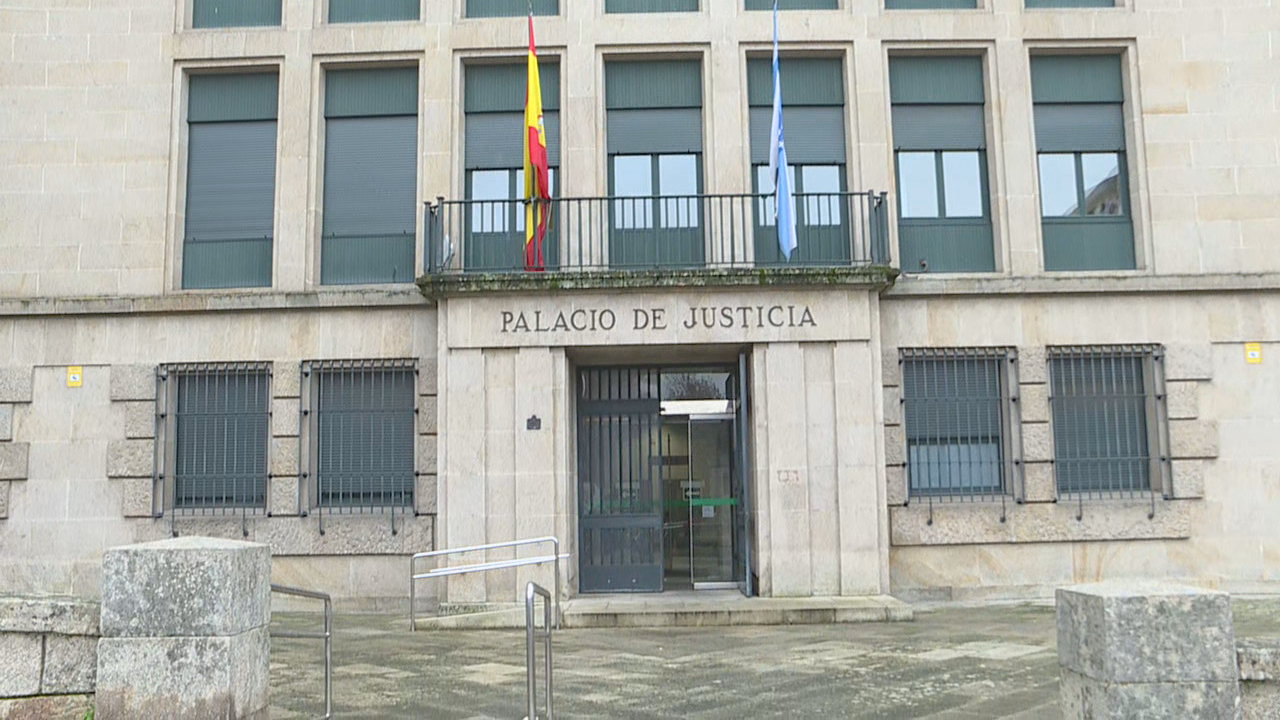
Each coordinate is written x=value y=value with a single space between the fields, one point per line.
x=184 y=630
x=1147 y=650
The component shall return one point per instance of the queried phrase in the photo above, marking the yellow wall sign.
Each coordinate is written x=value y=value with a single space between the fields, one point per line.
x=75 y=376
x=1253 y=353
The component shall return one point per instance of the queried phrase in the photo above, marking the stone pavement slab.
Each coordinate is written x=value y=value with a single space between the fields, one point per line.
x=963 y=663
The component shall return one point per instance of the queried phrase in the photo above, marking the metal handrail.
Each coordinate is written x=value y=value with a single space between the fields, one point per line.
x=327 y=636
x=437 y=573
x=655 y=232
x=531 y=591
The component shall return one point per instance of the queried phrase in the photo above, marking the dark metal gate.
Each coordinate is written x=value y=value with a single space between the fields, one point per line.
x=619 y=480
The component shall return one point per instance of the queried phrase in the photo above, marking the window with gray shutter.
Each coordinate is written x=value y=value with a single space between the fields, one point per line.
x=956 y=409
x=1080 y=145
x=370 y=176
x=650 y=6
x=231 y=180
x=349 y=11
x=362 y=433
x=1109 y=422
x=1060 y=4
x=654 y=142
x=216 y=432
x=234 y=13
x=930 y=4
x=794 y=4
x=494 y=158
x=510 y=8
x=814 y=117
x=940 y=141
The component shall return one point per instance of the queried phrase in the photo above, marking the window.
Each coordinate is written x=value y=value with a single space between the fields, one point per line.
x=215 y=434
x=361 y=433
x=940 y=140
x=494 y=157
x=347 y=11
x=654 y=130
x=794 y=4
x=1055 y=4
x=930 y=4
x=813 y=114
x=956 y=409
x=370 y=176
x=231 y=180
x=1107 y=419
x=510 y=8
x=234 y=13
x=1084 y=193
x=650 y=6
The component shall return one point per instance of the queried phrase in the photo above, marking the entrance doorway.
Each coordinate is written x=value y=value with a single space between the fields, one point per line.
x=699 y=498
x=662 y=467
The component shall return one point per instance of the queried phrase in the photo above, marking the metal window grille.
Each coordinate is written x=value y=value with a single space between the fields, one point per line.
x=362 y=424
x=215 y=421
x=1109 y=421
x=957 y=406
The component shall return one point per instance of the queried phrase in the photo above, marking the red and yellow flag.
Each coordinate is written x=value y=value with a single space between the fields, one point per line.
x=537 y=183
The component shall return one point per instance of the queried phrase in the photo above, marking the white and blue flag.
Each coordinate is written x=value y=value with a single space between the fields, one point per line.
x=779 y=168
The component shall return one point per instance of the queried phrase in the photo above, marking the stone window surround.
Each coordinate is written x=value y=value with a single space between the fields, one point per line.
x=306 y=496
x=1037 y=516
x=179 y=144
x=15 y=389
x=166 y=428
x=1135 y=146
x=1011 y=430
x=131 y=461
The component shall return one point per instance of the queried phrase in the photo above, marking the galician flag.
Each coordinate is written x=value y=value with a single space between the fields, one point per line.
x=537 y=183
x=779 y=168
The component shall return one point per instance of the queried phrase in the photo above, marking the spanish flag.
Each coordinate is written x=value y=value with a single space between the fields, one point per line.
x=536 y=173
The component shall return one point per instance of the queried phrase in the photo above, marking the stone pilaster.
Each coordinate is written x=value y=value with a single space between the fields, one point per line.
x=196 y=643
x=1146 y=650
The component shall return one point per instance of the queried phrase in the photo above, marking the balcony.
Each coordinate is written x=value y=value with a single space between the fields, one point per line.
x=608 y=242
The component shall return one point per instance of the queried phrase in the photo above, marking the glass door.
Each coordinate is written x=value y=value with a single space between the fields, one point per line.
x=711 y=511
x=700 y=501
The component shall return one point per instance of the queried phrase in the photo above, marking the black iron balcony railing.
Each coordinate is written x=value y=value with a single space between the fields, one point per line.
x=654 y=233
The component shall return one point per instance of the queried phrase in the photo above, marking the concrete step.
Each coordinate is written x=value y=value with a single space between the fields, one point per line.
x=700 y=610
x=687 y=609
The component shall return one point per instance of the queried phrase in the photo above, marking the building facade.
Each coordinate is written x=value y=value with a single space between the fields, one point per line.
x=263 y=277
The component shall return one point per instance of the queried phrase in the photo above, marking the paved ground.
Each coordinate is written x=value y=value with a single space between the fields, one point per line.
x=951 y=662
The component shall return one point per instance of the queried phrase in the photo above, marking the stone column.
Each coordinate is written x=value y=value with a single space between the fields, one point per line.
x=184 y=630
x=1146 y=650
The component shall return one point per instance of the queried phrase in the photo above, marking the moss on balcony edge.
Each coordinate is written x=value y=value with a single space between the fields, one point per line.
x=872 y=277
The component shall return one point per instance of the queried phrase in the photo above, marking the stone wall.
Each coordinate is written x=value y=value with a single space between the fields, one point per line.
x=89 y=452
x=48 y=657
x=92 y=200
x=1209 y=528
x=1259 y=678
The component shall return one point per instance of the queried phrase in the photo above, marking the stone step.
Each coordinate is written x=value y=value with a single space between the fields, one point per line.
x=687 y=609
x=690 y=610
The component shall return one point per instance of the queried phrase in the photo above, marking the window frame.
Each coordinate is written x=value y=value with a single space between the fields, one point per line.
x=328 y=16
x=652 y=206
x=941 y=188
x=309 y=443
x=537 y=10
x=1011 y=480
x=1081 y=192
x=1155 y=418
x=833 y=204
x=167 y=403
x=791 y=5
x=183 y=244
